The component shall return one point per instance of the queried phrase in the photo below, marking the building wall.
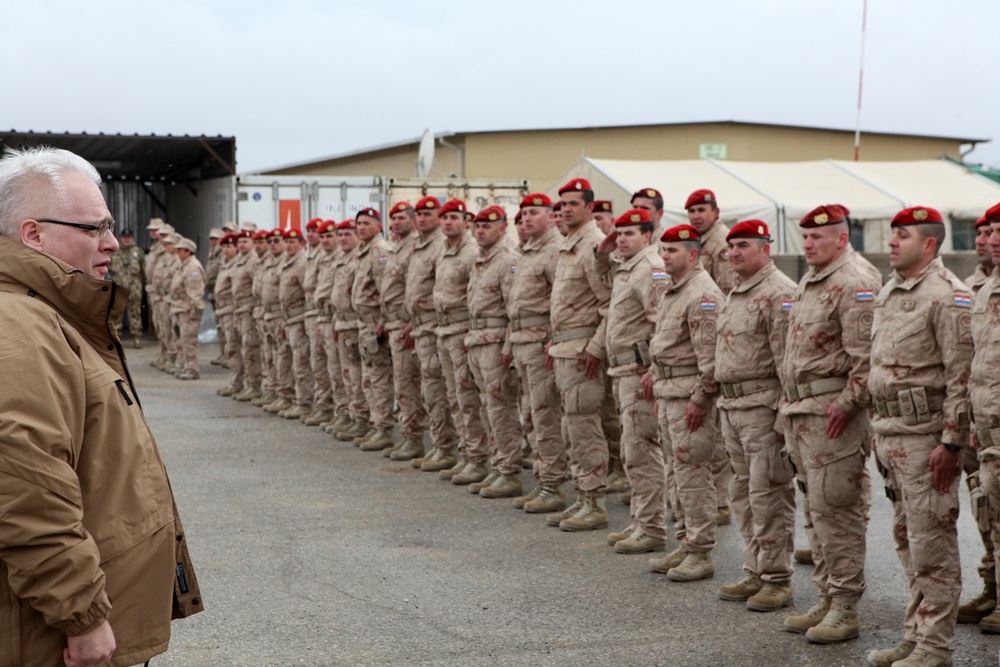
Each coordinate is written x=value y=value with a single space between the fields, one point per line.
x=391 y=163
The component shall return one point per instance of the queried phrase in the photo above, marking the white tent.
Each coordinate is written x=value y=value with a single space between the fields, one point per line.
x=781 y=193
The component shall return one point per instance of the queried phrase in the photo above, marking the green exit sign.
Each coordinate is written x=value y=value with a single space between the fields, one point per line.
x=712 y=151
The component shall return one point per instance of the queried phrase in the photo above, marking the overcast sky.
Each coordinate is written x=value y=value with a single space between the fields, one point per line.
x=298 y=80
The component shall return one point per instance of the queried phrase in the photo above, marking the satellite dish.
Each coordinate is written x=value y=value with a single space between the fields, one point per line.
x=425 y=155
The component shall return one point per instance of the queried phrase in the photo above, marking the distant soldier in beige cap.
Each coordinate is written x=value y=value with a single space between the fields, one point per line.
x=225 y=317
x=187 y=301
x=156 y=251
x=248 y=345
x=161 y=278
x=212 y=267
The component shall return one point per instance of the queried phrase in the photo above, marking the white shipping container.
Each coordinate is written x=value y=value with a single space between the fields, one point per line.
x=291 y=201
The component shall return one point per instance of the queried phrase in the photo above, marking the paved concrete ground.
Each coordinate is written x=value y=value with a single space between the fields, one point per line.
x=311 y=552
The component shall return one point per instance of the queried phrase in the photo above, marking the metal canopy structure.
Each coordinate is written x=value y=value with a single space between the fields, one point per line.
x=168 y=158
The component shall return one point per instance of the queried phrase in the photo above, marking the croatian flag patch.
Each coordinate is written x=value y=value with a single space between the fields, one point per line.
x=513 y=268
x=787 y=304
x=963 y=300
x=383 y=260
x=659 y=274
x=707 y=305
x=865 y=295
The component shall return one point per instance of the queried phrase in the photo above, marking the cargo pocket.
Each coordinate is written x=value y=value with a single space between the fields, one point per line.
x=841 y=481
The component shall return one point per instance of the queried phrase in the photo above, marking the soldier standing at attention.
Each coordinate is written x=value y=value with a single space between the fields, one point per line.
x=921 y=352
x=405 y=365
x=748 y=364
x=212 y=268
x=576 y=352
x=127 y=267
x=156 y=251
x=604 y=216
x=331 y=392
x=489 y=298
x=345 y=332
x=159 y=277
x=682 y=378
x=248 y=345
x=225 y=317
x=981 y=608
x=638 y=284
x=825 y=371
x=317 y=354
x=419 y=333
x=265 y=260
x=187 y=301
x=294 y=350
x=376 y=359
x=279 y=376
x=528 y=309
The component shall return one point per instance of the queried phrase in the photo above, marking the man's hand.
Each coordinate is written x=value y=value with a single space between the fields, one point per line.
x=550 y=364
x=608 y=243
x=693 y=416
x=838 y=421
x=591 y=364
x=972 y=442
x=408 y=342
x=647 y=386
x=944 y=465
x=506 y=360
x=91 y=649
x=380 y=329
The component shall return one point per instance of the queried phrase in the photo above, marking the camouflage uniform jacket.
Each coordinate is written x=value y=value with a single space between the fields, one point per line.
x=419 y=295
x=270 y=294
x=365 y=295
x=127 y=267
x=314 y=256
x=921 y=339
x=187 y=287
x=345 y=266
x=531 y=289
x=291 y=294
x=715 y=257
x=212 y=267
x=579 y=297
x=451 y=285
x=392 y=291
x=324 y=282
x=685 y=339
x=829 y=336
x=166 y=267
x=751 y=340
x=224 y=303
x=637 y=288
x=984 y=382
x=489 y=293
x=243 y=269
x=978 y=278
x=156 y=253
x=260 y=272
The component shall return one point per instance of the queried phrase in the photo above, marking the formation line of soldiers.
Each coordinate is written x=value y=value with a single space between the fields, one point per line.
x=689 y=361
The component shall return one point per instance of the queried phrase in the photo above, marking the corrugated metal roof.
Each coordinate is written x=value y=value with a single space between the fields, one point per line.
x=140 y=157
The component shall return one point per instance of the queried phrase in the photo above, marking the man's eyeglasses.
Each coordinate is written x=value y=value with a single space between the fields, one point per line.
x=102 y=229
x=273 y=241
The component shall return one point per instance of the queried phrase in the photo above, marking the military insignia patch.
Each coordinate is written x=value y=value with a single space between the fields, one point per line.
x=787 y=304
x=651 y=193
x=537 y=201
x=383 y=259
x=821 y=219
x=513 y=268
x=635 y=217
x=920 y=214
x=684 y=234
x=659 y=274
x=707 y=304
x=962 y=299
x=865 y=295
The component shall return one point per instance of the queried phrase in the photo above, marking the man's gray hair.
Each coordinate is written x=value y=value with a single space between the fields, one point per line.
x=26 y=173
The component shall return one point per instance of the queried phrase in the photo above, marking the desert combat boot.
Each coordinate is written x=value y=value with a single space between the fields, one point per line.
x=409 y=450
x=381 y=439
x=591 y=516
x=921 y=658
x=742 y=590
x=668 y=562
x=470 y=474
x=476 y=487
x=459 y=466
x=885 y=657
x=813 y=617
x=356 y=429
x=980 y=606
x=441 y=460
x=639 y=542
x=504 y=486
x=840 y=624
x=549 y=499
x=531 y=495
x=557 y=518
x=773 y=596
x=695 y=566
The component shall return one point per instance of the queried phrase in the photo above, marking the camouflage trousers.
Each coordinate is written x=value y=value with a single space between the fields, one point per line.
x=227 y=322
x=924 y=528
x=690 y=456
x=317 y=364
x=989 y=478
x=611 y=424
x=225 y=337
x=582 y=399
x=249 y=349
x=498 y=387
x=333 y=374
x=281 y=356
x=406 y=382
x=187 y=341
x=133 y=311
x=722 y=471
x=376 y=376
x=987 y=564
x=763 y=494
x=165 y=331
x=833 y=476
x=545 y=414
x=302 y=377
x=463 y=397
x=432 y=386
x=642 y=455
x=350 y=371
x=268 y=368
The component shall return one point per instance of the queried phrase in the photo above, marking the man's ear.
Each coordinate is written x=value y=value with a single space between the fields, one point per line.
x=31 y=234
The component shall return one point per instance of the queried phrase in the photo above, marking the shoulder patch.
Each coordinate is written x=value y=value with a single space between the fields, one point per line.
x=196 y=273
x=865 y=295
x=513 y=268
x=963 y=299
x=787 y=304
x=659 y=274
x=707 y=304
x=383 y=259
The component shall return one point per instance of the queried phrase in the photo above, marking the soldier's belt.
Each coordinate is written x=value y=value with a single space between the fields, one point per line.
x=399 y=314
x=294 y=312
x=487 y=322
x=574 y=334
x=176 y=295
x=739 y=389
x=668 y=372
x=272 y=308
x=423 y=318
x=519 y=323
x=987 y=437
x=346 y=317
x=914 y=405
x=245 y=301
x=326 y=310
x=310 y=303
x=369 y=316
x=454 y=317
x=800 y=392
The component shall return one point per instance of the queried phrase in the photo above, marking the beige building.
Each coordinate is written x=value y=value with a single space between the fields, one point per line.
x=542 y=156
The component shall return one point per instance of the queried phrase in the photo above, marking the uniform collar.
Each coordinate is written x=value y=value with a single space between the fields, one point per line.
x=756 y=278
x=897 y=281
x=674 y=287
x=628 y=265
x=814 y=276
x=541 y=241
x=570 y=242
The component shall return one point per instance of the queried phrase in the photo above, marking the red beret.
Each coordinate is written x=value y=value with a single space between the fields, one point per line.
x=370 y=212
x=680 y=233
x=635 y=216
x=454 y=205
x=517 y=217
x=536 y=199
x=348 y=224
x=491 y=214
x=700 y=197
x=649 y=193
x=327 y=226
x=228 y=239
x=576 y=185
x=557 y=206
x=292 y=234
x=275 y=234
x=428 y=203
x=830 y=214
x=993 y=214
x=262 y=234
x=244 y=234
x=749 y=229
x=917 y=215
x=399 y=207
x=983 y=222
x=602 y=205
x=314 y=224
